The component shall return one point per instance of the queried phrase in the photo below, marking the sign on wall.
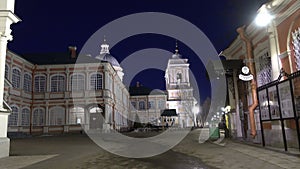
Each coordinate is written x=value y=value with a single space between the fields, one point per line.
x=245 y=75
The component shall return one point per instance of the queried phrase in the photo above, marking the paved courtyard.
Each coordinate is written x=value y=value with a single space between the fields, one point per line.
x=78 y=151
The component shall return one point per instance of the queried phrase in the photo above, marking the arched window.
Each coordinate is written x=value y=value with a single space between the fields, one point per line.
x=77 y=115
x=57 y=83
x=38 y=117
x=296 y=47
x=6 y=71
x=40 y=83
x=77 y=82
x=13 y=117
x=96 y=110
x=57 y=116
x=142 y=105
x=27 y=82
x=25 y=116
x=264 y=69
x=96 y=81
x=16 y=77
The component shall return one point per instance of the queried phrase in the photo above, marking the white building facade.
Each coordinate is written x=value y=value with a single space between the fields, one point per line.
x=58 y=98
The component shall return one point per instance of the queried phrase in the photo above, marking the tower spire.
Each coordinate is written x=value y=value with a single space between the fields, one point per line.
x=176 y=47
x=104 y=46
x=176 y=55
x=104 y=39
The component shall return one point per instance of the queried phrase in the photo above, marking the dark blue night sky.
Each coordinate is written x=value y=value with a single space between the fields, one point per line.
x=52 y=26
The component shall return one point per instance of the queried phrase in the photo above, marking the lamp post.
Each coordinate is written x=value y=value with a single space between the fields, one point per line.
x=196 y=112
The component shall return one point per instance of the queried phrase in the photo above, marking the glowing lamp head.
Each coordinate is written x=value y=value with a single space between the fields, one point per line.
x=263 y=17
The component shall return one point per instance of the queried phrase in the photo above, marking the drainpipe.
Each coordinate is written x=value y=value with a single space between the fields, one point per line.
x=251 y=65
x=32 y=99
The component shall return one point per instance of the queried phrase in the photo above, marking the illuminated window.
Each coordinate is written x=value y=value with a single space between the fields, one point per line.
x=264 y=74
x=296 y=47
x=96 y=81
x=77 y=115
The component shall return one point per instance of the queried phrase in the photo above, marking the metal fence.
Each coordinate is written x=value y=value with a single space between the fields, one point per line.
x=279 y=107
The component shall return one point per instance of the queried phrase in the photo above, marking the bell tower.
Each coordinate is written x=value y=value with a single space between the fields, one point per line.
x=177 y=75
x=180 y=92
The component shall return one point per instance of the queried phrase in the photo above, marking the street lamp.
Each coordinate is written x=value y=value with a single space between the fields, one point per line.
x=263 y=17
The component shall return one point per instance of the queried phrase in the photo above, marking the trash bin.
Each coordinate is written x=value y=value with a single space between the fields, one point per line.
x=214 y=133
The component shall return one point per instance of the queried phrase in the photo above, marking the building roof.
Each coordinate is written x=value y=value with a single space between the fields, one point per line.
x=169 y=112
x=109 y=58
x=57 y=58
x=142 y=90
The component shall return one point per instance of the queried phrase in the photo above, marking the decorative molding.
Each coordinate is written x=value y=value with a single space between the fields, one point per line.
x=283 y=55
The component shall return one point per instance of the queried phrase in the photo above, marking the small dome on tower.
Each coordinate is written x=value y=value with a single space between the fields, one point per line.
x=106 y=56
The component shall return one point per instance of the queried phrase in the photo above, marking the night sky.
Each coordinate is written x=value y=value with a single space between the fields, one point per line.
x=53 y=25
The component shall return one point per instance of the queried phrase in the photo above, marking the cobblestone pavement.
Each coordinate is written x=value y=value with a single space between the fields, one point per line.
x=78 y=151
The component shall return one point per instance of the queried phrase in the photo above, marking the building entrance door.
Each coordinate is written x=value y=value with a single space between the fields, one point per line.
x=96 y=121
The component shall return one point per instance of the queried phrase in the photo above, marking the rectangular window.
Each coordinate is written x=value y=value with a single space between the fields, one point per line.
x=6 y=71
x=40 y=83
x=151 y=105
x=133 y=105
x=25 y=117
x=141 y=105
x=96 y=82
x=16 y=78
x=58 y=83
x=161 y=104
x=27 y=83
x=77 y=82
x=38 y=117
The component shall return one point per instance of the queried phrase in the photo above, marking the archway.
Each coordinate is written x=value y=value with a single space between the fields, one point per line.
x=96 y=117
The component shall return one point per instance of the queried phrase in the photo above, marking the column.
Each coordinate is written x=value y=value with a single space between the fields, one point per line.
x=47 y=122
x=48 y=80
x=7 y=17
x=237 y=106
x=3 y=44
x=274 y=51
x=68 y=87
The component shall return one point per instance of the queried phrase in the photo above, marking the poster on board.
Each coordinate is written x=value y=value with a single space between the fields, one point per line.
x=273 y=101
x=263 y=103
x=285 y=100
